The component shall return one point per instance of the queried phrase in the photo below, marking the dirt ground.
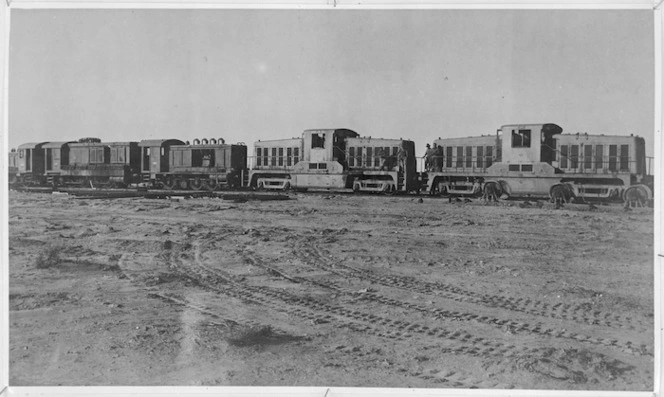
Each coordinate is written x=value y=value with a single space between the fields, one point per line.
x=329 y=290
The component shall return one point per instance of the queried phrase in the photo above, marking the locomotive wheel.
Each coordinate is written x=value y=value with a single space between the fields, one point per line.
x=181 y=184
x=209 y=185
x=169 y=183
x=197 y=184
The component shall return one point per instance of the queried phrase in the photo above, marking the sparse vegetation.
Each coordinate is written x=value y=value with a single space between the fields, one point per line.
x=48 y=258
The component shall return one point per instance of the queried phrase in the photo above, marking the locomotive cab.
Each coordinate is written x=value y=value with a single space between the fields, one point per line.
x=527 y=145
x=155 y=154
x=326 y=145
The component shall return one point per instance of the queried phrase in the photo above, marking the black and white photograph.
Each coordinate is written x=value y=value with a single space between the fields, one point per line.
x=393 y=198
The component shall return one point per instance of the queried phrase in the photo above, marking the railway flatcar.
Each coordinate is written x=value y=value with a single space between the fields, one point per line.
x=107 y=164
x=533 y=160
x=335 y=159
x=205 y=164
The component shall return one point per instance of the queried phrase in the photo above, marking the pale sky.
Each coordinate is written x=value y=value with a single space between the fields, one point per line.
x=246 y=75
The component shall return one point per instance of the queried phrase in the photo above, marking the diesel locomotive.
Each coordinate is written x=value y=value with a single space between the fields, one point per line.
x=533 y=160
x=335 y=159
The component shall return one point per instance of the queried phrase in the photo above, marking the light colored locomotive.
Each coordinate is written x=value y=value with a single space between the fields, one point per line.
x=532 y=160
x=335 y=159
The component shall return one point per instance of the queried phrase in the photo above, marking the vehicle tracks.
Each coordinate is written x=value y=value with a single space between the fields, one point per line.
x=315 y=255
x=316 y=312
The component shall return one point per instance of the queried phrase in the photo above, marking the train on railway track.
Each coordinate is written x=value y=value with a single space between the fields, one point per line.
x=520 y=160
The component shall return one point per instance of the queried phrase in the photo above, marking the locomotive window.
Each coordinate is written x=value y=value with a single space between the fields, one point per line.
x=514 y=167
x=489 y=156
x=527 y=168
x=163 y=150
x=21 y=153
x=313 y=166
x=613 y=152
x=563 y=156
x=480 y=157
x=258 y=152
x=147 y=151
x=317 y=141
x=367 y=163
x=274 y=156
x=574 y=158
x=588 y=157
x=322 y=166
x=296 y=155
x=281 y=156
x=599 y=157
x=624 y=157
x=521 y=138
x=351 y=157
x=289 y=156
x=469 y=157
x=176 y=155
x=96 y=155
x=459 y=159
x=448 y=162
x=200 y=158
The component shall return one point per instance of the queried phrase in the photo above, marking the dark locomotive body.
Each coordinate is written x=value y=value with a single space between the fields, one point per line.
x=205 y=165
x=531 y=160
x=97 y=164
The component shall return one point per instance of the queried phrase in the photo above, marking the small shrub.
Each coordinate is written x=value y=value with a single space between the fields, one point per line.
x=48 y=258
x=250 y=336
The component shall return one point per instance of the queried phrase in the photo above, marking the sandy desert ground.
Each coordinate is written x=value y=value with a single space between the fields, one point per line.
x=329 y=290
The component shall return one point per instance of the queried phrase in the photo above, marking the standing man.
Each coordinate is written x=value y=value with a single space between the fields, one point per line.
x=401 y=157
x=427 y=158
